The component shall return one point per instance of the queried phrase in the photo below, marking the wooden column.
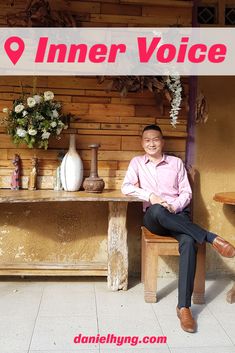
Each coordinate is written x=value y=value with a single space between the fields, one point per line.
x=117 y=246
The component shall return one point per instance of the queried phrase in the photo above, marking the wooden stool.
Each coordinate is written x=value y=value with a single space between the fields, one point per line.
x=155 y=245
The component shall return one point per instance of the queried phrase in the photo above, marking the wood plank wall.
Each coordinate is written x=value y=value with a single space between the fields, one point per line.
x=101 y=117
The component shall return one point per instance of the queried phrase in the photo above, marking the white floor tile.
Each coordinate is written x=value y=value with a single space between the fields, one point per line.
x=223 y=349
x=221 y=306
x=133 y=327
x=20 y=302
x=7 y=286
x=79 y=285
x=114 y=303
x=228 y=323
x=15 y=333
x=217 y=288
x=67 y=302
x=14 y=351
x=57 y=333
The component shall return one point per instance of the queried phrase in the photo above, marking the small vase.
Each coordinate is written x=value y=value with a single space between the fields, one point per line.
x=71 y=168
x=94 y=183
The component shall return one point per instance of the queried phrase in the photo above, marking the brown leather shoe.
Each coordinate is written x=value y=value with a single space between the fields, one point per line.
x=187 y=322
x=223 y=247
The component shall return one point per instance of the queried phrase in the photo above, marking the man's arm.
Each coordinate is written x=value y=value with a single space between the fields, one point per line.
x=131 y=186
x=185 y=192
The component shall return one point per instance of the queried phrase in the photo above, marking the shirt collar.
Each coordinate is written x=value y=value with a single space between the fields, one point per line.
x=164 y=159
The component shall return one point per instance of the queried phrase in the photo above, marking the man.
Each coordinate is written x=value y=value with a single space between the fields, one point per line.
x=161 y=182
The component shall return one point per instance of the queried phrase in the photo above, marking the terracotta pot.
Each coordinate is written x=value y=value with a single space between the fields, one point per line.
x=94 y=183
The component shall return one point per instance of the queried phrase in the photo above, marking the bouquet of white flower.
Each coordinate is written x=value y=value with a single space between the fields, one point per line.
x=35 y=119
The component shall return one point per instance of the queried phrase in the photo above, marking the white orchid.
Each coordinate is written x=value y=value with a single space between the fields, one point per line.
x=48 y=95
x=55 y=114
x=19 y=108
x=24 y=113
x=21 y=132
x=46 y=135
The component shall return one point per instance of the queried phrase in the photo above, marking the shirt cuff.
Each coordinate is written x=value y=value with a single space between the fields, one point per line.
x=145 y=195
x=177 y=207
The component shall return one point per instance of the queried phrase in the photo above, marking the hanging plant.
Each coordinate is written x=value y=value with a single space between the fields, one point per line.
x=164 y=86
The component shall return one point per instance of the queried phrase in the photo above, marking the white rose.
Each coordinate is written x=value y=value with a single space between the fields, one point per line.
x=37 y=98
x=5 y=110
x=25 y=113
x=32 y=132
x=55 y=114
x=21 y=132
x=45 y=135
x=19 y=108
x=31 y=102
x=53 y=124
x=48 y=95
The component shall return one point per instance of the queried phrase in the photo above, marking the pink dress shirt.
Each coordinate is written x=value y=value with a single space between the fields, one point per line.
x=167 y=179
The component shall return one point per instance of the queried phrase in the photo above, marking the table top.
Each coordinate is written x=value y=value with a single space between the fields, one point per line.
x=225 y=197
x=16 y=196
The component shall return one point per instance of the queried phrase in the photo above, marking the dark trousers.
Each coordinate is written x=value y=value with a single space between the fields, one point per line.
x=159 y=220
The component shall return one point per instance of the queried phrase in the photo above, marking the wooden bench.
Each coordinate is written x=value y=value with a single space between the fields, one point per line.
x=154 y=246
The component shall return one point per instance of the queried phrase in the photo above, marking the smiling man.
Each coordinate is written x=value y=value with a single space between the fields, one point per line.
x=161 y=182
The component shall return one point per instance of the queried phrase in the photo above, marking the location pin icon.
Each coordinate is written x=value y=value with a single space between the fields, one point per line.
x=14 y=54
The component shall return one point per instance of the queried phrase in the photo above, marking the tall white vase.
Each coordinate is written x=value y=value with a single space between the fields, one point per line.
x=71 y=168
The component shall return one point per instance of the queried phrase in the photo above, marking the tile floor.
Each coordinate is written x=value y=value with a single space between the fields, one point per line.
x=44 y=316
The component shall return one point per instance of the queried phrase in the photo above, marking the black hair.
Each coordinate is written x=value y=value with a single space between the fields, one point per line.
x=152 y=127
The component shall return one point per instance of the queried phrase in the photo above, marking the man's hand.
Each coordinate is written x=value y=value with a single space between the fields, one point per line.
x=168 y=207
x=155 y=199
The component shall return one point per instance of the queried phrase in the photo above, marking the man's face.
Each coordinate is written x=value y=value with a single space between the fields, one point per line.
x=152 y=143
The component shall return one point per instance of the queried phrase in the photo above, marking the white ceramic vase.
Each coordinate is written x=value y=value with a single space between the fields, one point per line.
x=71 y=168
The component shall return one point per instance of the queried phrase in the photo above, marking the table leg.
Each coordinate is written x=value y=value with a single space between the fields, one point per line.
x=231 y=295
x=117 y=246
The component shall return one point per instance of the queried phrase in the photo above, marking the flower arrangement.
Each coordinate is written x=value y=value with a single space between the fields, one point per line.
x=35 y=119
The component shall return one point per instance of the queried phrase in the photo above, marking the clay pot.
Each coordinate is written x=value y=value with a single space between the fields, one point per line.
x=93 y=183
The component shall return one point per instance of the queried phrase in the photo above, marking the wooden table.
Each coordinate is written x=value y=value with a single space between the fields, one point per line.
x=117 y=267
x=227 y=198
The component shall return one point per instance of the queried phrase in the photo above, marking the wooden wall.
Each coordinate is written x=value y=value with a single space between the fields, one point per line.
x=115 y=13
x=101 y=117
